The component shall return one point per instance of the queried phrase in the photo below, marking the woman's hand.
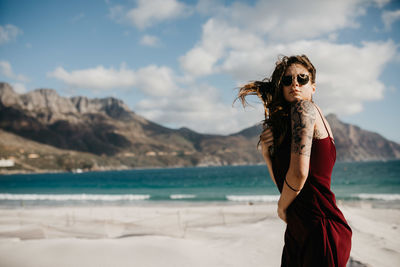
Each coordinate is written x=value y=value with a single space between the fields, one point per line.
x=282 y=214
x=266 y=141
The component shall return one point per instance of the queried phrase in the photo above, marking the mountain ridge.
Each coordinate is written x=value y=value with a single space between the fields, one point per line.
x=117 y=137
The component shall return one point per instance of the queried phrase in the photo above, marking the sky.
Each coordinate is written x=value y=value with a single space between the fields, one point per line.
x=180 y=63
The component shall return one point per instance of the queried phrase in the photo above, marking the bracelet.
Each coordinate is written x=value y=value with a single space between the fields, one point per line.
x=291 y=187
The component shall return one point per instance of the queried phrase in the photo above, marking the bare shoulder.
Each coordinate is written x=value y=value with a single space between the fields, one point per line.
x=320 y=132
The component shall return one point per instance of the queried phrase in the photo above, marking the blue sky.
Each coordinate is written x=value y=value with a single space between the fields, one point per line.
x=179 y=63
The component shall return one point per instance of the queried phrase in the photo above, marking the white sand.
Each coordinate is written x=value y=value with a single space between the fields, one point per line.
x=176 y=235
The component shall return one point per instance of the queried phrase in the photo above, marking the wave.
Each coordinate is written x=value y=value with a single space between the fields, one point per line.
x=386 y=197
x=138 y=197
x=66 y=197
x=258 y=198
x=182 y=196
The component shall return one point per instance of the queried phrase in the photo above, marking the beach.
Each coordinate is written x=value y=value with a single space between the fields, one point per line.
x=178 y=234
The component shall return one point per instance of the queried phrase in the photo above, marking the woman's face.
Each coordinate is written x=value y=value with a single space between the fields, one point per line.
x=296 y=91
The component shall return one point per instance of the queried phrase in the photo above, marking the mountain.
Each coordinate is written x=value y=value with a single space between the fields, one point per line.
x=352 y=143
x=41 y=130
x=107 y=129
x=356 y=144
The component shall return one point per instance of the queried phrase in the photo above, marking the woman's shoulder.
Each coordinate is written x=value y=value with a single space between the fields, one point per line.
x=322 y=126
x=305 y=108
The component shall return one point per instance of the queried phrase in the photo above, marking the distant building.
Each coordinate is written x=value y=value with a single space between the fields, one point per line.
x=6 y=163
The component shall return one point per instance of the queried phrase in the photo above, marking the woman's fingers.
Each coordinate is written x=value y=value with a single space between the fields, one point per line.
x=267 y=133
x=267 y=143
x=266 y=137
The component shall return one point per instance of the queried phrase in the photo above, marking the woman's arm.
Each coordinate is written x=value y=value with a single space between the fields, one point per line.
x=303 y=116
x=266 y=140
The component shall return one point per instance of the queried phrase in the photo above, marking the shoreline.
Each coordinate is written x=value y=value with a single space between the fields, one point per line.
x=126 y=168
x=181 y=233
x=94 y=201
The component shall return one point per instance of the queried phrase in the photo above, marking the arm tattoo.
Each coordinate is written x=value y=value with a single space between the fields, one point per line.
x=303 y=119
x=318 y=134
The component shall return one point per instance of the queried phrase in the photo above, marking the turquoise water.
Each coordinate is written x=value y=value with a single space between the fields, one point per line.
x=350 y=181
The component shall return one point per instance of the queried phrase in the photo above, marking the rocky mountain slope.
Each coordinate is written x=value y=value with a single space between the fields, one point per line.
x=81 y=133
x=352 y=143
x=107 y=128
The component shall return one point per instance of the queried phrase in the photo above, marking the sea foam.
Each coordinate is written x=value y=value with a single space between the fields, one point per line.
x=66 y=197
x=257 y=198
x=182 y=196
x=386 y=197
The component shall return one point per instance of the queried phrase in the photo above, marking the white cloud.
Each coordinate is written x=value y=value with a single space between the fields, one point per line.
x=244 y=42
x=6 y=70
x=149 y=13
x=198 y=61
x=389 y=17
x=200 y=108
x=217 y=38
x=149 y=40
x=242 y=26
x=347 y=75
x=156 y=81
x=9 y=33
x=19 y=88
x=151 y=80
x=168 y=99
x=98 y=78
x=290 y=20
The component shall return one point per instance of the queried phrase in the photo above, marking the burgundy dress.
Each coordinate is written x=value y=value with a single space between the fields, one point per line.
x=317 y=233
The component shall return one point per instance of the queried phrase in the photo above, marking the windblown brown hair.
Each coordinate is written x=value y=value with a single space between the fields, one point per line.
x=269 y=90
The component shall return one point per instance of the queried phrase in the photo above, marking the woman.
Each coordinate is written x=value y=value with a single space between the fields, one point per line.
x=298 y=147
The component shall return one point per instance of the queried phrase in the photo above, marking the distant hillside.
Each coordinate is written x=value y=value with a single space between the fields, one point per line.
x=107 y=129
x=356 y=144
x=43 y=131
x=352 y=143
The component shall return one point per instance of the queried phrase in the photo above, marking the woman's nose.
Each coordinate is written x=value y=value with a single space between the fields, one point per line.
x=294 y=81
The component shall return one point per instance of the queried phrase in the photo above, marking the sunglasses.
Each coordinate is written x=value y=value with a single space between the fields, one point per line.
x=302 y=79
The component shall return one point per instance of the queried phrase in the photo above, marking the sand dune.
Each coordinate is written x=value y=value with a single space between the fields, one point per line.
x=177 y=235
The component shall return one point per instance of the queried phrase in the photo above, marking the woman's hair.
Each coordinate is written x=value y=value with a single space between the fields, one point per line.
x=269 y=90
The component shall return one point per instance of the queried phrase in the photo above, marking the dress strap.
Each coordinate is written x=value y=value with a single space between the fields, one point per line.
x=322 y=120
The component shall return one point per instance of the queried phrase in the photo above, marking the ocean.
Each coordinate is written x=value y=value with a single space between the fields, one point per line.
x=371 y=181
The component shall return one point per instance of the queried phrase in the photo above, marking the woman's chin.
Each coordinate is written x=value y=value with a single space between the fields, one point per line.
x=293 y=99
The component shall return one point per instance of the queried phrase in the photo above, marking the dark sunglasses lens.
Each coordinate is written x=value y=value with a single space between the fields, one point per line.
x=287 y=80
x=302 y=79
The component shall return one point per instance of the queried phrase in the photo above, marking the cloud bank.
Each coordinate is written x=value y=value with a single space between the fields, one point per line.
x=243 y=41
x=7 y=71
x=149 y=13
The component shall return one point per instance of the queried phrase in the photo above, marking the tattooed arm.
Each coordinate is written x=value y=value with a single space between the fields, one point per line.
x=303 y=116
